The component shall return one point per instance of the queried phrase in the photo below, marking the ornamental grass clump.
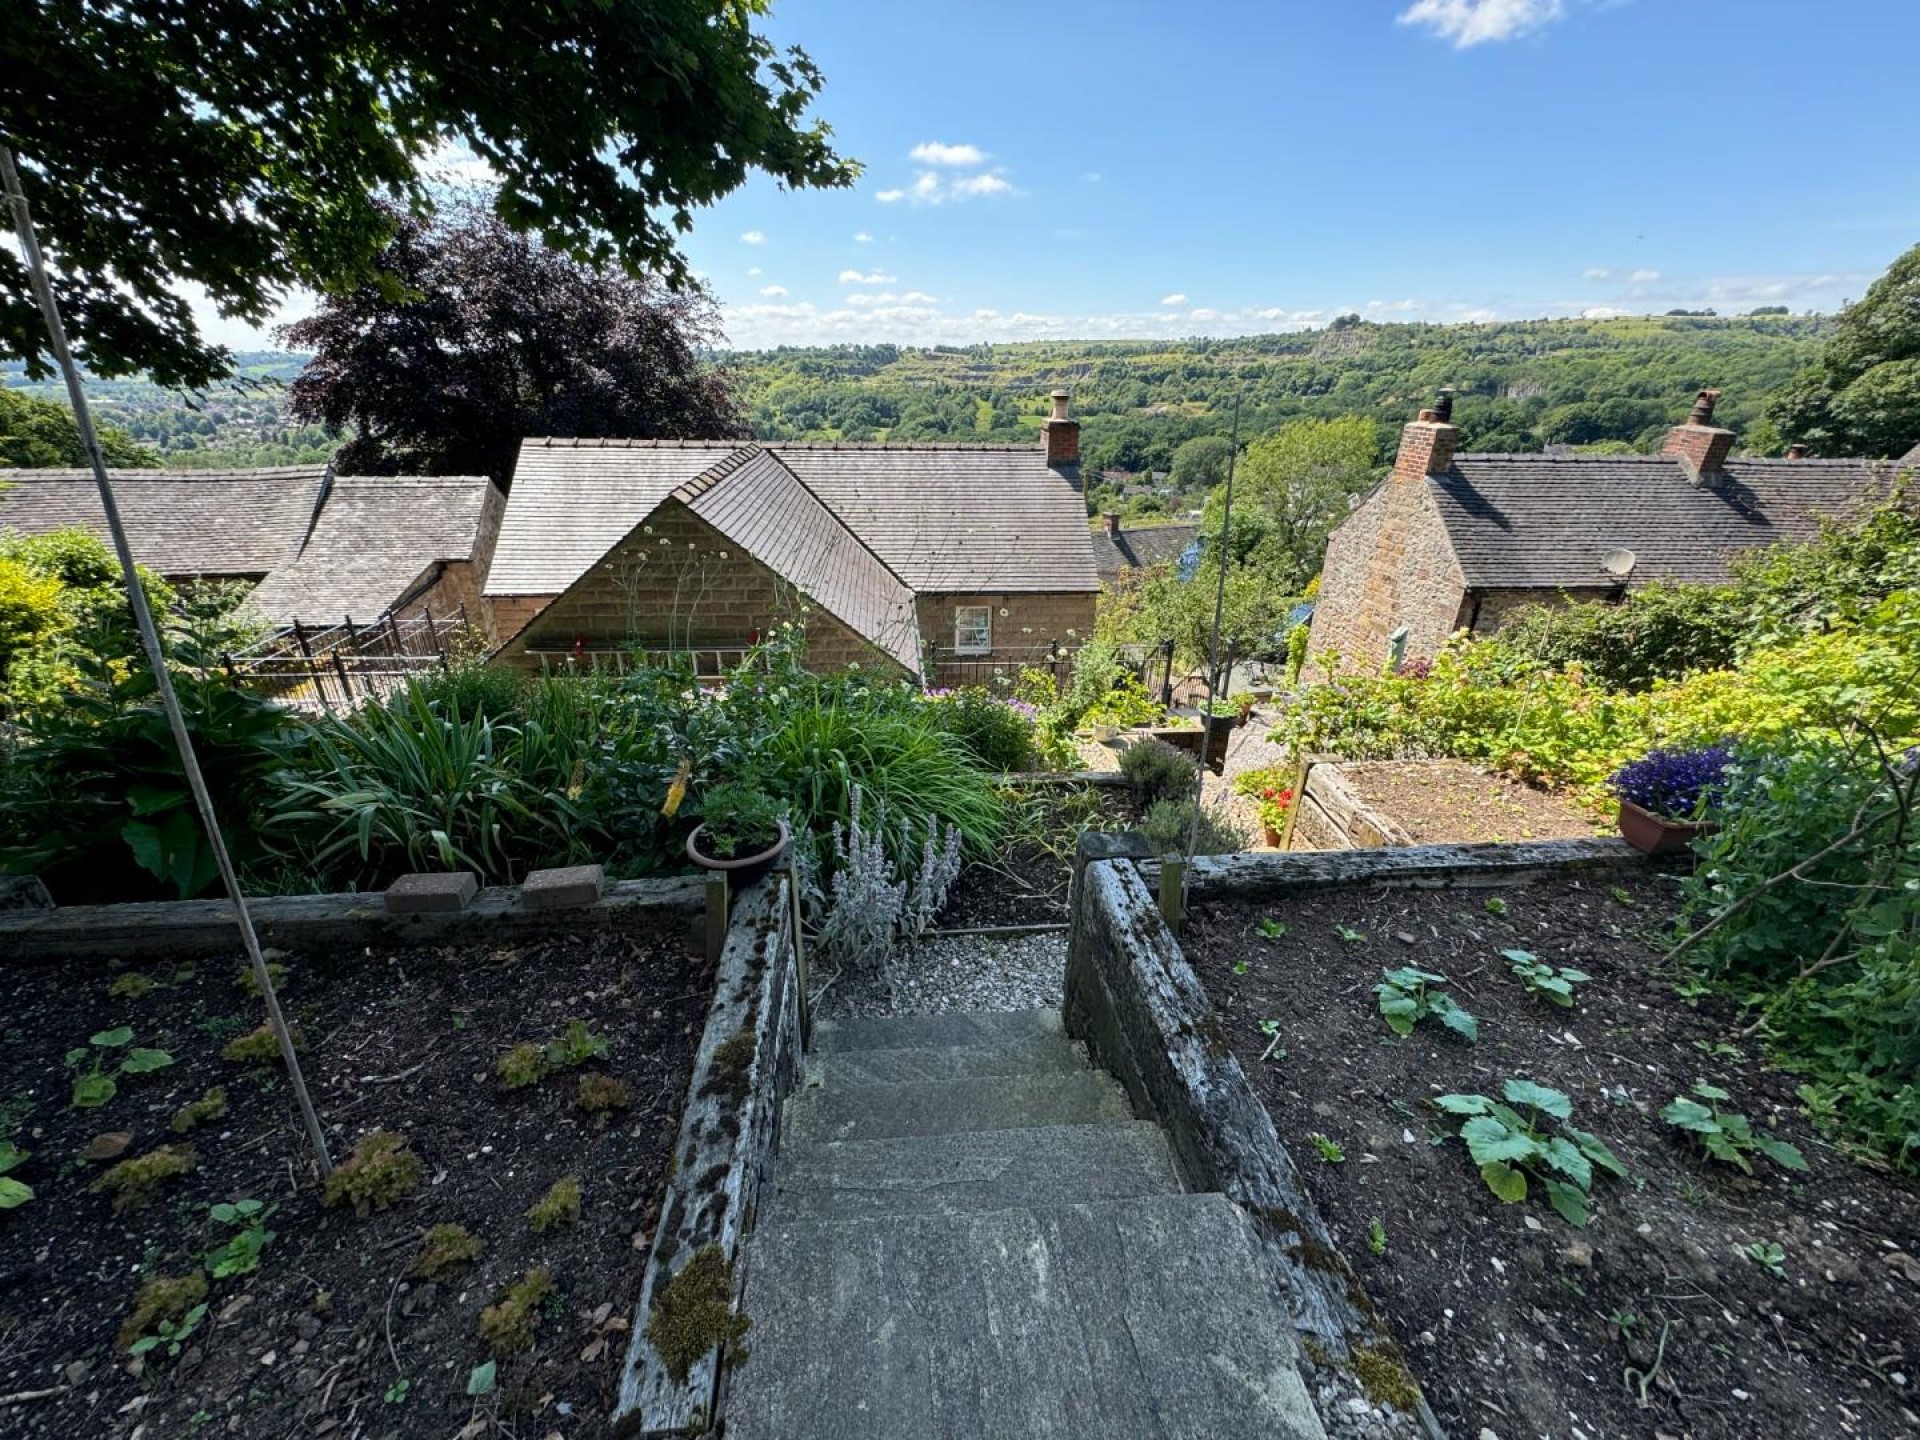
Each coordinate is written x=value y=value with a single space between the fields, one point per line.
x=1676 y=785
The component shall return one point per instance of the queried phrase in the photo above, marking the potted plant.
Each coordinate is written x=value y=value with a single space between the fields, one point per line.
x=1664 y=794
x=1273 y=802
x=741 y=831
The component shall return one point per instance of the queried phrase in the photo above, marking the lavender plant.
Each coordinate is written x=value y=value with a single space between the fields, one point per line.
x=867 y=912
x=1673 y=784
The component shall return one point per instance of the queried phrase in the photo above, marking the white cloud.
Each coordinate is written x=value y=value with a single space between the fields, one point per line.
x=987 y=184
x=1203 y=314
x=753 y=270
x=1643 y=277
x=1602 y=312
x=452 y=163
x=863 y=238
x=773 y=291
x=1473 y=22
x=932 y=152
x=1598 y=272
x=931 y=188
x=918 y=297
x=755 y=237
x=872 y=277
x=1179 y=297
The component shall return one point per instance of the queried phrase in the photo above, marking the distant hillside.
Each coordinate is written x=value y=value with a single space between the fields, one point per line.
x=1522 y=384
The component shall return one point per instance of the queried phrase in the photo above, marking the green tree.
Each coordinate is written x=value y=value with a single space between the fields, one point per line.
x=37 y=433
x=492 y=337
x=243 y=145
x=1201 y=463
x=1863 y=397
x=1302 y=480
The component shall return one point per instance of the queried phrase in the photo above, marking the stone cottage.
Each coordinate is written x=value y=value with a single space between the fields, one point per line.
x=944 y=562
x=317 y=547
x=1119 y=552
x=1459 y=541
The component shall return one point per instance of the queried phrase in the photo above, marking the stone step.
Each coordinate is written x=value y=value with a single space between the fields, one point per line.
x=914 y=1032
x=1036 y=1054
x=942 y=1107
x=1147 y=1319
x=973 y=1170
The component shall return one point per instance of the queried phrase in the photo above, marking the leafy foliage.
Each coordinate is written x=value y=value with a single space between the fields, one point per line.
x=13 y=1193
x=1726 y=1134
x=507 y=1324
x=1408 y=996
x=1862 y=397
x=135 y=1183
x=444 y=1249
x=471 y=336
x=239 y=1253
x=242 y=149
x=1661 y=632
x=1158 y=771
x=559 y=1206
x=1168 y=824
x=1512 y=1148
x=997 y=733
x=36 y=433
x=737 y=819
x=163 y=1305
x=1542 y=979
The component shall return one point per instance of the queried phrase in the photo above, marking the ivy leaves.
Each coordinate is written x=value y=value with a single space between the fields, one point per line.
x=1515 y=1151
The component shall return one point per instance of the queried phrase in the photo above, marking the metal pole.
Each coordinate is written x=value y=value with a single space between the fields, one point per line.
x=150 y=640
x=1213 y=660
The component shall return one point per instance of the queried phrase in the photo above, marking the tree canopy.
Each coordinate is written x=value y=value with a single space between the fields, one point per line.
x=244 y=146
x=1863 y=396
x=39 y=433
x=479 y=337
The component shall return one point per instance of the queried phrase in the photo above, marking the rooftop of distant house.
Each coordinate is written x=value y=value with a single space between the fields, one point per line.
x=1118 y=548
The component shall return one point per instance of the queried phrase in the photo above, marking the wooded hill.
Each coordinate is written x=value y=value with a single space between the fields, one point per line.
x=1521 y=384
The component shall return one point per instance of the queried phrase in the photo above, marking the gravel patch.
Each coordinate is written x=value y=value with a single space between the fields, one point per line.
x=955 y=973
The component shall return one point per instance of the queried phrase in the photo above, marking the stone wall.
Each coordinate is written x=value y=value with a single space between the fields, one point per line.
x=1388 y=564
x=1022 y=623
x=511 y=614
x=679 y=583
x=1329 y=815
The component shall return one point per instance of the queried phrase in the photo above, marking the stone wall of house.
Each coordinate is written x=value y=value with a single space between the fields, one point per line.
x=456 y=591
x=1023 y=624
x=1388 y=564
x=513 y=613
x=678 y=582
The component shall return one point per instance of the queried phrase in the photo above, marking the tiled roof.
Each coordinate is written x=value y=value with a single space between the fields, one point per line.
x=180 y=522
x=954 y=518
x=1545 y=521
x=766 y=511
x=1137 y=549
x=378 y=539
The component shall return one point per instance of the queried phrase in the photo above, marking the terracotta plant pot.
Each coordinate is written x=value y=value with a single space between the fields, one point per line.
x=1652 y=835
x=742 y=870
x=1271 y=836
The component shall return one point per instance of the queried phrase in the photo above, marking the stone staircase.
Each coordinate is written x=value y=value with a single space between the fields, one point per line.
x=968 y=1235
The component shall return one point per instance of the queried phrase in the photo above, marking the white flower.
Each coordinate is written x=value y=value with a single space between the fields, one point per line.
x=665 y=541
x=1071 y=633
x=1003 y=612
x=723 y=554
x=646 y=529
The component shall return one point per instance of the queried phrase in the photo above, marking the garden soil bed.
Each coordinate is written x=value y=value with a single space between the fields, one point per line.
x=1518 y=1324
x=315 y=1341
x=1025 y=881
x=1448 y=802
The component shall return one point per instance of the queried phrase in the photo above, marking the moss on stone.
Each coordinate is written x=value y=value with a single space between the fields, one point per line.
x=210 y=1106
x=732 y=1067
x=162 y=1300
x=133 y=1183
x=559 y=1206
x=380 y=1170
x=445 y=1248
x=1383 y=1375
x=694 y=1313
x=507 y=1324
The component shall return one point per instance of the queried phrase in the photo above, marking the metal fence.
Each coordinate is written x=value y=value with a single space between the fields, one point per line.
x=341 y=667
x=997 y=672
x=709 y=662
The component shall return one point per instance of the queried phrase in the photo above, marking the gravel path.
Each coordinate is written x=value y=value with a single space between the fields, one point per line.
x=960 y=972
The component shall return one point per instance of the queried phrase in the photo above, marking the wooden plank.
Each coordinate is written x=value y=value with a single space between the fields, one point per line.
x=725 y=1147
x=1271 y=872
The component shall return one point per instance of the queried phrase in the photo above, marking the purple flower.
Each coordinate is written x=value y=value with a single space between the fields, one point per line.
x=1673 y=784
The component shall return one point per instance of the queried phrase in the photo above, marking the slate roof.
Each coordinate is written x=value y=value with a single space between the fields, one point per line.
x=1137 y=549
x=181 y=523
x=379 y=540
x=941 y=518
x=762 y=507
x=1545 y=521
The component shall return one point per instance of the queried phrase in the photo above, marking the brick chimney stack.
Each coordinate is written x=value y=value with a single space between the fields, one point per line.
x=1061 y=434
x=1796 y=451
x=1427 y=444
x=1699 y=444
x=1112 y=517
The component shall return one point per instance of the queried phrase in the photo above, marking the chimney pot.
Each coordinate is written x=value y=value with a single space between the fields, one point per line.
x=1699 y=444
x=1060 y=435
x=1796 y=451
x=1703 y=404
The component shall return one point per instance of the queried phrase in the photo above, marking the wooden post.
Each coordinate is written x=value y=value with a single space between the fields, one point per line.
x=1173 y=874
x=1300 y=772
x=716 y=914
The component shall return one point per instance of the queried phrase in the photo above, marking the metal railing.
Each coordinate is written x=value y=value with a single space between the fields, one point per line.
x=710 y=662
x=998 y=671
x=341 y=667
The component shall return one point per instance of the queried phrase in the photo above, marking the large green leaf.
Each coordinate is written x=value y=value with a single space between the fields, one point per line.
x=1454 y=1018
x=1566 y=1157
x=1543 y=1098
x=112 y=1039
x=1569 y=1200
x=92 y=1090
x=1463 y=1104
x=1780 y=1152
x=11 y=1156
x=1399 y=1010
x=1505 y=1181
x=1490 y=1142
x=1595 y=1149
x=13 y=1194
x=1690 y=1115
x=142 y=1061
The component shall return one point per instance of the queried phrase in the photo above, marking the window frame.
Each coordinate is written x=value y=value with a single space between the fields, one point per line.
x=961 y=645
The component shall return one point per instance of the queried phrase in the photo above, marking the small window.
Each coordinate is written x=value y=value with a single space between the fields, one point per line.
x=972 y=629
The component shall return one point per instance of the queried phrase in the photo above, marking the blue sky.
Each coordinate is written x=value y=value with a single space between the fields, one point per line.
x=1143 y=168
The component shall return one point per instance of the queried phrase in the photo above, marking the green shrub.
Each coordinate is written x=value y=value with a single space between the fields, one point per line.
x=997 y=733
x=1157 y=771
x=1664 y=632
x=475 y=690
x=737 y=819
x=1169 y=822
